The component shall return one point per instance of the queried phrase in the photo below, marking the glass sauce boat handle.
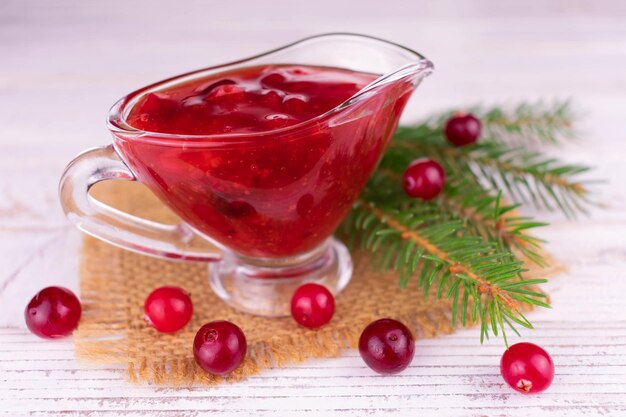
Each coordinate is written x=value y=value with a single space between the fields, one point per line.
x=114 y=226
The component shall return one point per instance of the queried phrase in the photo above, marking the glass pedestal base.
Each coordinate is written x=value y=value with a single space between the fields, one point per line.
x=264 y=287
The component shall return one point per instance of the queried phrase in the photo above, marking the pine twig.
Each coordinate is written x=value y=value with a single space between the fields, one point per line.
x=466 y=269
x=483 y=214
x=455 y=269
x=468 y=245
x=526 y=176
x=535 y=123
x=541 y=122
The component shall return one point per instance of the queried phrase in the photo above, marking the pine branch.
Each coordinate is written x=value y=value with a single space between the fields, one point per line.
x=525 y=176
x=488 y=216
x=466 y=269
x=467 y=244
x=482 y=214
x=540 y=122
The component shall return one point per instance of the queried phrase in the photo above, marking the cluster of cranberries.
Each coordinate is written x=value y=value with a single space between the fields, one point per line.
x=386 y=345
x=219 y=346
x=424 y=178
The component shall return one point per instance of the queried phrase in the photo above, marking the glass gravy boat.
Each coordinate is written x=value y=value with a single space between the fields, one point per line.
x=273 y=213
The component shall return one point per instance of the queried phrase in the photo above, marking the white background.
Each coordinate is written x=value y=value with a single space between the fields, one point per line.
x=63 y=63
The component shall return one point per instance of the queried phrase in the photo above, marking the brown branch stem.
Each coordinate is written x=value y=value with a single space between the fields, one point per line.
x=484 y=286
x=499 y=228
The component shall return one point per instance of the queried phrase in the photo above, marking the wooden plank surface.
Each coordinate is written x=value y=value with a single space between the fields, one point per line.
x=65 y=62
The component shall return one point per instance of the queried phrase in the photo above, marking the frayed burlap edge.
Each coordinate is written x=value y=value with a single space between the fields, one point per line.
x=115 y=282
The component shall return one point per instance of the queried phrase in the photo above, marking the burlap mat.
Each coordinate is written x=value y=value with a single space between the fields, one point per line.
x=115 y=283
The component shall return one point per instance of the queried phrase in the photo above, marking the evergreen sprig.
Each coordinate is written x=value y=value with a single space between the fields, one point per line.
x=539 y=122
x=483 y=214
x=524 y=175
x=468 y=244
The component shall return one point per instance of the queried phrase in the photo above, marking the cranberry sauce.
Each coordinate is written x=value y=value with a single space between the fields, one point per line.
x=261 y=188
x=256 y=99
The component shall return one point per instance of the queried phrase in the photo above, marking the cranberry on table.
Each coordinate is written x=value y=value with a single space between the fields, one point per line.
x=312 y=305
x=53 y=312
x=219 y=347
x=168 y=309
x=387 y=346
x=462 y=129
x=424 y=178
x=527 y=368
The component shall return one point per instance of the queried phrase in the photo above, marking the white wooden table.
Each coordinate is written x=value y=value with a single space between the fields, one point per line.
x=65 y=62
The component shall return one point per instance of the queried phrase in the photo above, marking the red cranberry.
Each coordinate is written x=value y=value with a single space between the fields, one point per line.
x=462 y=129
x=527 y=368
x=158 y=103
x=273 y=79
x=53 y=312
x=271 y=98
x=212 y=86
x=219 y=347
x=168 y=309
x=305 y=204
x=312 y=305
x=239 y=209
x=227 y=91
x=296 y=103
x=424 y=179
x=387 y=346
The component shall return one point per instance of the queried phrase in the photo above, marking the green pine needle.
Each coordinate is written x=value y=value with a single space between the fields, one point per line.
x=525 y=176
x=525 y=124
x=483 y=214
x=469 y=245
x=469 y=270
